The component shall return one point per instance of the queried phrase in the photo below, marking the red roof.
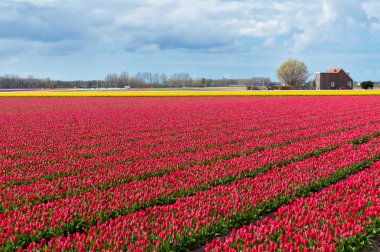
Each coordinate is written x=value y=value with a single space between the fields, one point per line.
x=334 y=70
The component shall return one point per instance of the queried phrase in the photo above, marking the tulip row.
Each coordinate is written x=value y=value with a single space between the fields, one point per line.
x=84 y=136
x=95 y=161
x=56 y=122
x=117 y=174
x=341 y=217
x=64 y=164
x=226 y=169
x=193 y=219
x=35 y=166
x=102 y=205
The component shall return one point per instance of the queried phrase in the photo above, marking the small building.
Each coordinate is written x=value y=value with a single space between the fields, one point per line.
x=334 y=78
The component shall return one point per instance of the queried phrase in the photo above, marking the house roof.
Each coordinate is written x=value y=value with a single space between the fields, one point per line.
x=334 y=70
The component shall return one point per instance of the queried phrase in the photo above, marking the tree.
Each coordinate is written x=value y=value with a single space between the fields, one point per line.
x=111 y=80
x=163 y=79
x=366 y=84
x=293 y=73
x=180 y=80
x=122 y=79
x=258 y=81
x=205 y=82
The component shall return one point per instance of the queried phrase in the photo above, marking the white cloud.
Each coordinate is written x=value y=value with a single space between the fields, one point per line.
x=372 y=9
x=152 y=25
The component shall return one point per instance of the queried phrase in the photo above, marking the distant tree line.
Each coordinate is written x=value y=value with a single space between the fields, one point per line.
x=14 y=81
x=124 y=79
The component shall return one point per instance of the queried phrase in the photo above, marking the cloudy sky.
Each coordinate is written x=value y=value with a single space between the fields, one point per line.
x=87 y=39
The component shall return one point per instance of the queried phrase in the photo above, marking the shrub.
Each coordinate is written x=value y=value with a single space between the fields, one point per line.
x=366 y=85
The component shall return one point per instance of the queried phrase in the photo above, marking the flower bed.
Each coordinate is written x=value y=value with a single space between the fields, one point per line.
x=170 y=173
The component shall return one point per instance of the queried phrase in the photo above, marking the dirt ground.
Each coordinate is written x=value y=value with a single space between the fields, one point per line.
x=374 y=247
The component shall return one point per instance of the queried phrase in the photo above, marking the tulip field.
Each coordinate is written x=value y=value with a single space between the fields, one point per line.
x=189 y=173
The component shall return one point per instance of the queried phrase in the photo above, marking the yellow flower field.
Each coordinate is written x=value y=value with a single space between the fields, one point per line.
x=180 y=93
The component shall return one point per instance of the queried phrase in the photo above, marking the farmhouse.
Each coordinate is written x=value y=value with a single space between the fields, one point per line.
x=335 y=78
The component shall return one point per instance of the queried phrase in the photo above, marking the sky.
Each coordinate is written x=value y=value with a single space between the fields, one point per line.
x=88 y=39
